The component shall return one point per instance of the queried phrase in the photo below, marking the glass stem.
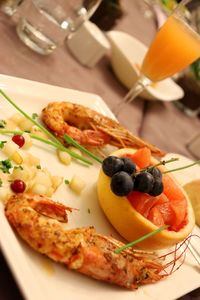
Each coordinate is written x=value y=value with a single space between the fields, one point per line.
x=136 y=90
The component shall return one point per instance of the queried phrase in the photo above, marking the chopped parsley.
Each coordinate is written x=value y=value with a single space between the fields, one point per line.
x=66 y=181
x=5 y=166
x=1 y=182
x=34 y=116
x=18 y=168
x=38 y=167
x=2 y=123
x=2 y=144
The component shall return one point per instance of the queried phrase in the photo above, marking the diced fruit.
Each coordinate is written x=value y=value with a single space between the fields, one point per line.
x=39 y=189
x=142 y=202
x=49 y=192
x=147 y=206
x=17 y=118
x=42 y=178
x=10 y=148
x=10 y=125
x=77 y=184
x=64 y=157
x=23 y=173
x=28 y=141
x=166 y=211
x=19 y=140
x=37 y=131
x=141 y=157
x=18 y=186
x=25 y=125
x=17 y=158
x=5 y=193
x=171 y=190
x=75 y=150
x=56 y=182
x=156 y=217
x=31 y=160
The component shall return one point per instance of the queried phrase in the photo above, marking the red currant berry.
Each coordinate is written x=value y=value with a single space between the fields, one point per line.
x=19 y=140
x=18 y=186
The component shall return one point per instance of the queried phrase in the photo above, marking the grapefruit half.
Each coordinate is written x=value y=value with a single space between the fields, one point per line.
x=138 y=213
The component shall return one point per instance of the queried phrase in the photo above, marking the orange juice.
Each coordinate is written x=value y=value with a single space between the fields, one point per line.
x=175 y=47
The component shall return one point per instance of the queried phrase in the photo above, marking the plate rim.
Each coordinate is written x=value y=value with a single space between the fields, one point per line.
x=16 y=271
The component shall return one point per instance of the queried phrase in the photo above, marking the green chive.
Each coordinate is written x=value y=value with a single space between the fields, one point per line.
x=49 y=142
x=56 y=141
x=18 y=168
x=34 y=116
x=184 y=167
x=2 y=123
x=72 y=142
x=144 y=237
x=2 y=144
x=162 y=162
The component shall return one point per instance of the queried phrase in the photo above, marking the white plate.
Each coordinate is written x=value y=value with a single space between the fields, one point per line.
x=38 y=277
x=127 y=54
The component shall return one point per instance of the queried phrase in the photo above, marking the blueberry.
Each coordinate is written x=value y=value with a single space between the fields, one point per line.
x=156 y=173
x=112 y=165
x=157 y=187
x=143 y=182
x=121 y=184
x=129 y=166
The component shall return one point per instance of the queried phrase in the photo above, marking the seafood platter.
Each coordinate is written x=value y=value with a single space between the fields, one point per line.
x=87 y=208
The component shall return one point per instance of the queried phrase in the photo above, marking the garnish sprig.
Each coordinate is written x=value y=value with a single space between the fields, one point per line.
x=144 y=237
x=5 y=166
x=55 y=140
x=184 y=167
x=49 y=142
x=72 y=142
x=161 y=163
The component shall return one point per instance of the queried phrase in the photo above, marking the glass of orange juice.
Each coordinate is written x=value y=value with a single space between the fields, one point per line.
x=175 y=46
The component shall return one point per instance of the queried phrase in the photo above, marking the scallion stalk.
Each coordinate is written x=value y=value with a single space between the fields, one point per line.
x=72 y=142
x=181 y=168
x=56 y=141
x=144 y=237
x=49 y=142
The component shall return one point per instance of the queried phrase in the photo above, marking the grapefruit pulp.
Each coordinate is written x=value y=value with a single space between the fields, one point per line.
x=139 y=213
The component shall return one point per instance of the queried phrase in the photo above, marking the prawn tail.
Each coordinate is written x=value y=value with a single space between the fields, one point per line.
x=95 y=138
x=51 y=209
x=121 y=137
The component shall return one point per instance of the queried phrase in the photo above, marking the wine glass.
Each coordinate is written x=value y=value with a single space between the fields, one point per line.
x=43 y=25
x=175 y=46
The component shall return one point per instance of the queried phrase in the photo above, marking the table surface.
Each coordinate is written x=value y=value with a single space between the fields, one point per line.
x=157 y=122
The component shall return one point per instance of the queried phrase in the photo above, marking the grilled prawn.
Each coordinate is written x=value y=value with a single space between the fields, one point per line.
x=38 y=220
x=89 y=127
